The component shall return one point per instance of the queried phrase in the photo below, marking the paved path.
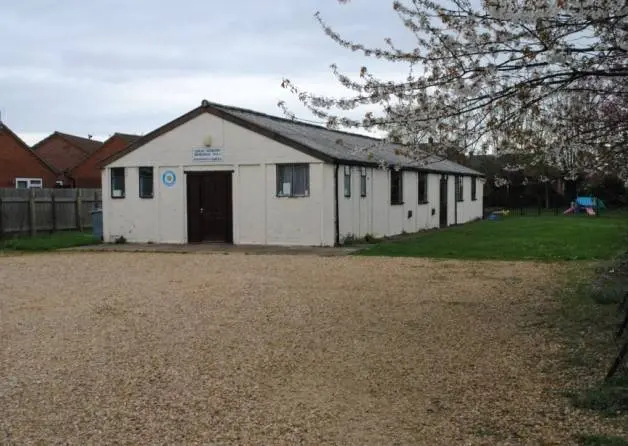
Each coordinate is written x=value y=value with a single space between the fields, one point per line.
x=214 y=248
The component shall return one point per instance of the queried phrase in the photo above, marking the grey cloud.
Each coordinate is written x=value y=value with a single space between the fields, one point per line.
x=84 y=67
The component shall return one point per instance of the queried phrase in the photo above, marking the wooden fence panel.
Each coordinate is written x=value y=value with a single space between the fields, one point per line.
x=24 y=211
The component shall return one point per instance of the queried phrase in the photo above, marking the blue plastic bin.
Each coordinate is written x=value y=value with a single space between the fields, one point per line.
x=97 y=223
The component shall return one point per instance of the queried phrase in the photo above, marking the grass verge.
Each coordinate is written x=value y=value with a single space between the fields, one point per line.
x=543 y=238
x=601 y=440
x=48 y=242
x=587 y=321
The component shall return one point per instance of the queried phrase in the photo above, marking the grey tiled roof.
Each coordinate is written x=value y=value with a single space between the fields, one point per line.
x=342 y=146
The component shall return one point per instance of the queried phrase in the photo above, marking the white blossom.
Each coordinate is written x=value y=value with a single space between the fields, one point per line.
x=542 y=78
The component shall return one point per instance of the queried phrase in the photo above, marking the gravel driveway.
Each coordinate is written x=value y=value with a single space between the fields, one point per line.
x=122 y=348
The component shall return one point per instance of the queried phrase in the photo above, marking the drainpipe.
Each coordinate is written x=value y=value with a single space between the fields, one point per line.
x=336 y=207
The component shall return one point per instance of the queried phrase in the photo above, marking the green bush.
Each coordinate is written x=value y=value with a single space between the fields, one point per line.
x=610 y=398
x=602 y=440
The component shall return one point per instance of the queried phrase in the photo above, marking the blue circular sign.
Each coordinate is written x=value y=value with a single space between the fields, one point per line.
x=169 y=178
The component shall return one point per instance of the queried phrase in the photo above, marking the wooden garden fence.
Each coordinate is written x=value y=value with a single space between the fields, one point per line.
x=29 y=211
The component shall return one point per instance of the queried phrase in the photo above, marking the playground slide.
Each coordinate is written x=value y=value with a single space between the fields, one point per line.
x=571 y=210
x=590 y=211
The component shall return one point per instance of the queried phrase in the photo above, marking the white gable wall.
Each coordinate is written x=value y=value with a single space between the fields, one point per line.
x=259 y=216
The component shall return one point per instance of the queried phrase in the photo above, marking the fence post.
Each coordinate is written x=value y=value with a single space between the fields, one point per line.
x=53 y=201
x=31 y=212
x=77 y=202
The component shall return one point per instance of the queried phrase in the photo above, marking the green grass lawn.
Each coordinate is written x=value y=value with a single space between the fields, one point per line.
x=545 y=238
x=48 y=242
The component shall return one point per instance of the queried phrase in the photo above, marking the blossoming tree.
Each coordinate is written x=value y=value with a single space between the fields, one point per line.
x=541 y=77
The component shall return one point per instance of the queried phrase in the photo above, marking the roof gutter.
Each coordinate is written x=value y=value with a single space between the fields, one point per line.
x=336 y=207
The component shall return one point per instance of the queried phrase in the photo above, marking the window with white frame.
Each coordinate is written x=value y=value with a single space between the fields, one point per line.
x=29 y=183
x=293 y=180
x=117 y=182
x=145 y=175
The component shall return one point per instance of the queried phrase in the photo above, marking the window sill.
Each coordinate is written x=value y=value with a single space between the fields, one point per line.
x=147 y=197
x=459 y=201
x=291 y=196
x=424 y=202
x=118 y=198
x=401 y=203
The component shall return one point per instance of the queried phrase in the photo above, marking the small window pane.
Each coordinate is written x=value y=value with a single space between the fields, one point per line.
x=21 y=184
x=363 y=182
x=422 y=188
x=301 y=181
x=117 y=182
x=396 y=187
x=347 y=182
x=284 y=181
x=459 y=189
x=146 y=182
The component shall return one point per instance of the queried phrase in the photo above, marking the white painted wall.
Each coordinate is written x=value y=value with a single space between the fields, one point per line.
x=468 y=209
x=375 y=215
x=259 y=216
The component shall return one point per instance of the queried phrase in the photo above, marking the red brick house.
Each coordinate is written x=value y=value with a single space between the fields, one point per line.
x=63 y=152
x=87 y=172
x=20 y=167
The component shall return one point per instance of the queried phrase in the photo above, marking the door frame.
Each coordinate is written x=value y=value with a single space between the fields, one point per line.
x=201 y=173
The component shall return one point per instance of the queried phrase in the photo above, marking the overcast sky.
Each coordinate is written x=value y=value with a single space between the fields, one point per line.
x=87 y=67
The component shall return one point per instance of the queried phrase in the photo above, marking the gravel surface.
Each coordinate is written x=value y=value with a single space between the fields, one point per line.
x=122 y=348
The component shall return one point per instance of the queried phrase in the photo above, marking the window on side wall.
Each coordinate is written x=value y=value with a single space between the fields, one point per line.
x=422 y=188
x=347 y=182
x=29 y=183
x=117 y=182
x=293 y=180
x=459 y=189
x=474 y=188
x=363 y=181
x=396 y=187
x=146 y=182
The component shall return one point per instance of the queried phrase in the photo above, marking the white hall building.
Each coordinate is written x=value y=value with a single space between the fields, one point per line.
x=230 y=175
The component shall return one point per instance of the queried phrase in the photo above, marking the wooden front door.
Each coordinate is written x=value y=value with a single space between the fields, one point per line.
x=210 y=217
x=443 y=201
